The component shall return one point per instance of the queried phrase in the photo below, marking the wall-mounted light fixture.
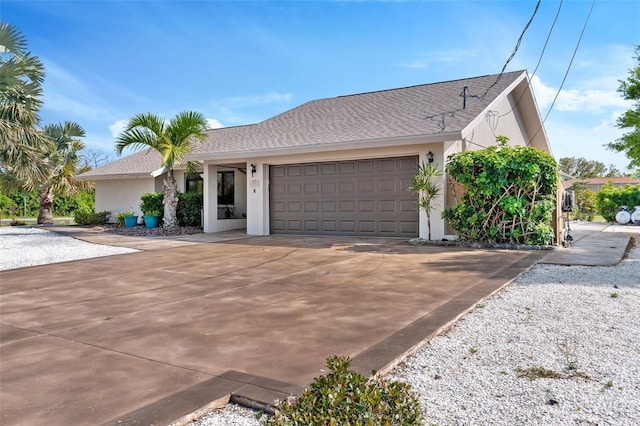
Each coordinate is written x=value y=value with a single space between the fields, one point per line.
x=430 y=157
x=253 y=170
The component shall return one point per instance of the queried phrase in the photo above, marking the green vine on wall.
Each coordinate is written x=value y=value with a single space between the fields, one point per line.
x=510 y=194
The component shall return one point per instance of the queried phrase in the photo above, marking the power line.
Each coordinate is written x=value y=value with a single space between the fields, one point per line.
x=513 y=54
x=544 y=48
x=584 y=27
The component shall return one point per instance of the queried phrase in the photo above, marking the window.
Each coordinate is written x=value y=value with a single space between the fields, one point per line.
x=194 y=183
x=225 y=188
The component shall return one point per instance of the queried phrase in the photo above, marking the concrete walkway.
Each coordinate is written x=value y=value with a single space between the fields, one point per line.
x=157 y=336
x=594 y=244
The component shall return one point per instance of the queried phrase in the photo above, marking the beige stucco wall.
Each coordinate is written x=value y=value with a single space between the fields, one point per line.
x=499 y=120
x=121 y=195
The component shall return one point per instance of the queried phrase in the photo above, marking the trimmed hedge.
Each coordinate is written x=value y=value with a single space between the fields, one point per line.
x=189 y=211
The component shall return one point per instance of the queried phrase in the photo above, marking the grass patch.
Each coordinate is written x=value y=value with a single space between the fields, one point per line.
x=533 y=373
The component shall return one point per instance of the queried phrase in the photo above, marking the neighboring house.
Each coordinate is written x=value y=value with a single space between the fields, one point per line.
x=595 y=184
x=342 y=165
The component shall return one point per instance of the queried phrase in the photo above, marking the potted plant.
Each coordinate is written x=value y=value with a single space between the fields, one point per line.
x=151 y=207
x=129 y=219
x=151 y=218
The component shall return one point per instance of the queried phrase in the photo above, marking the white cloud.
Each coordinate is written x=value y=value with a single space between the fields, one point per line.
x=117 y=127
x=212 y=123
x=584 y=100
x=440 y=57
x=65 y=93
x=570 y=139
x=265 y=99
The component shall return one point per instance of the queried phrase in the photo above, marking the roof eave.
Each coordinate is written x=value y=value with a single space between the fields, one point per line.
x=114 y=176
x=336 y=146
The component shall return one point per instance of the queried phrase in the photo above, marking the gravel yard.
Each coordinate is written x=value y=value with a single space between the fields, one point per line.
x=24 y=246
x=578 y=325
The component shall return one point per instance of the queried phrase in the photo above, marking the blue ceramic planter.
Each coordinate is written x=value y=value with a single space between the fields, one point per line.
x=151 y=221
x=130 y=221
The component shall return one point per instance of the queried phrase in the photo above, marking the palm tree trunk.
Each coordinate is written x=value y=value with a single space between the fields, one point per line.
x=170 y=201
x=45 y=216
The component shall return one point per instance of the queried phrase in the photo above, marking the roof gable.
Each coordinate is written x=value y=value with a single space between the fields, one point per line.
x=139 y=164
x=434 y=109
x=428 y=109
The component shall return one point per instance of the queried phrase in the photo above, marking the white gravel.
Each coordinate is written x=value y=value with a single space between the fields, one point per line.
x=24 y=246
x=569 y=320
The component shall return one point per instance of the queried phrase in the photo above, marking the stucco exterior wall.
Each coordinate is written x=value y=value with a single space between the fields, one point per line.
x=503 y=119
x=121 y=195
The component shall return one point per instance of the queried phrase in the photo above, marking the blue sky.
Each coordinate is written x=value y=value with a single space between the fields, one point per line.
x=241 y=62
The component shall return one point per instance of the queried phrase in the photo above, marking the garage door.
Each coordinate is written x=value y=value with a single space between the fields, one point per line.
x=360 y=197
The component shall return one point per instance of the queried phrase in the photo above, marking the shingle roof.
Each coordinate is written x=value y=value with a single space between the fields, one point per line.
x=621 y=180
x=395 y=113
x=141 y=164
x=427 y=109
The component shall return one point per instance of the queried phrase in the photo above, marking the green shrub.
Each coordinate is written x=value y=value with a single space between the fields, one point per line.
x=510 y=194
x=91 y=218
x=610 y=198
x=189 y=210
x=152 y=203
x=344 y=397
x=8 y=207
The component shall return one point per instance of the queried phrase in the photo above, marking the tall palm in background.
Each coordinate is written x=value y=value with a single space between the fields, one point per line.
x=63 y=155
x=173 y=140
x=21 y=143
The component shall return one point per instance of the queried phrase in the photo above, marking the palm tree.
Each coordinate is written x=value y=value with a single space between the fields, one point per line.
x=425 y=185
x=63 y=154
x=173 y=140
x=21 y=143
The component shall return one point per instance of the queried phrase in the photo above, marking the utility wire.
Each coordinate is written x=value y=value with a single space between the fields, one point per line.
x=544 y=48
x=513 y=54
x=584 y=27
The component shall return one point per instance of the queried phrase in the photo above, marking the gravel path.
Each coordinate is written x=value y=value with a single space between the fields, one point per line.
x=24 y=246
x=568 y=322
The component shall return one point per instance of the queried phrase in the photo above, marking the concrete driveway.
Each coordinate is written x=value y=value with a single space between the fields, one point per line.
x=150 y=337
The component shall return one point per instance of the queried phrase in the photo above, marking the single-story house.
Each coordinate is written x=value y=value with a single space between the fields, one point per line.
x=595 y=184
x=341 y=165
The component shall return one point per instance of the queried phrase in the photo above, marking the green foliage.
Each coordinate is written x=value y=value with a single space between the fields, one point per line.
x=629 y=143
x=344 y=397
x=610 y=198
x=8 y=207
x=583 y=168
x=120 y=217
x=91 y=218
x=63 y=205
x=510 y=195
x=151 y=203
x=586 y=201
x=189 y=210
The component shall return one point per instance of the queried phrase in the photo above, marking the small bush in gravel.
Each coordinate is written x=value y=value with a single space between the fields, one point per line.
x=344 y=397
x=91 y=218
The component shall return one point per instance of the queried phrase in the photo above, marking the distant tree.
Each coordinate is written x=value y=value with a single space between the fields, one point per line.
x=173 y=140
x=63 y=154
x=629 y=143
x=583 y=168
x=613 y=171
x=92 y=159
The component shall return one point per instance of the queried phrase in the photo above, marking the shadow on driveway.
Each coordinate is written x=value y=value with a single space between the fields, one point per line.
x=151 y=336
